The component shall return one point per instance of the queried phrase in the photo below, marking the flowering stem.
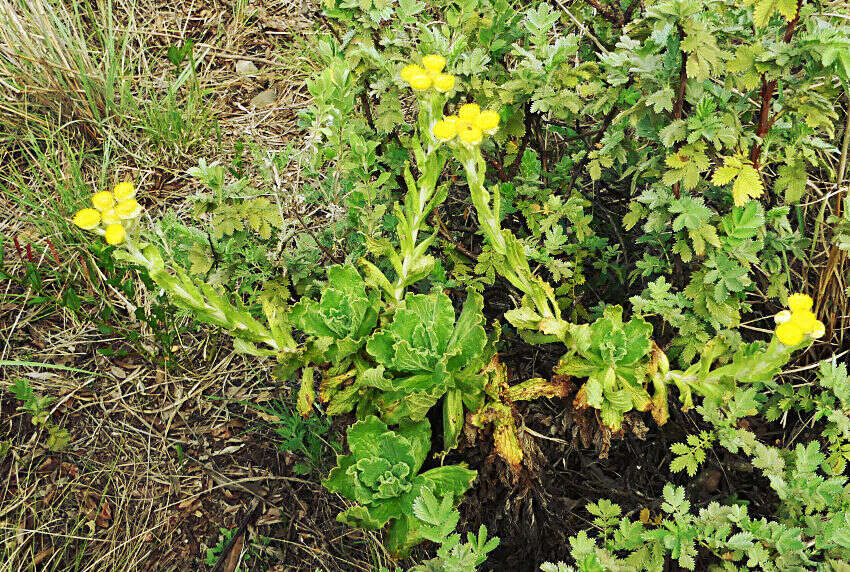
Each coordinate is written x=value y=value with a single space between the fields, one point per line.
x=207 y=304
x=511 y=261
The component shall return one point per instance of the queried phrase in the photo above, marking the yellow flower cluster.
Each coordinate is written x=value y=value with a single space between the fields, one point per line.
x=112 y=210
x=429 y=74
x=792 y=326
x=469 y=125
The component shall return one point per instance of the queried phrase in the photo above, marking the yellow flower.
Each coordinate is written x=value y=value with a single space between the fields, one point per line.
x=818 y=331
x=451 y=119
x=469 y=111
x=805 y=320
x=115 y=234
x=782 y=317
x=469 y=133
x=444 y=130
x=487 y=121
x=87 y=219
x=128 y=209
x=409 y=72
x=789 y=333
x=800 y=302
x=103 y=200
x=420 y=82
x=124 y=191
x=444 y=82
x=434 y=63
x=110 y=217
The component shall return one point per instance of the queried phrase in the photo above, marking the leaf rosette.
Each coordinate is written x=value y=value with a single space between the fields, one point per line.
x=381 y=474
x=424 y=354
x=613 y=356
x=344 y=316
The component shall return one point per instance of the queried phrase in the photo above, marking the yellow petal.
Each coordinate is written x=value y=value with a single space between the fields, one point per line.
x=115 y=234
x=444 y=82
x=87 y=219
x=444 y=130
x=789 y=333
x=805 y=320
x=434 y=63
x=124 y=191
x=818 y=331
x=420 y=82
x=110 y=217
x=470 y=134
x=103 y=200
x=782 y=317
x=800 y=302
x=469 y=111
x=487 y=120
x=128 y=209
x=408 y=72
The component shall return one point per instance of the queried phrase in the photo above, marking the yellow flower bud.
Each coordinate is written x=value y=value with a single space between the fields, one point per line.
x=124 y=191
x=469 y=133
x=805 y=320
x=103 y=200
x=782 y=317
x=110 y=217
x=789 y=333
x=800 y=302
x=444 y=130
x=115 y=234
x=818 y=331
x=469 y=111
x=444 y=82
x=409 y=72
x=434 y=63
x=420 y=82
x=128 y=209
x=487 y=121
x=87 y=219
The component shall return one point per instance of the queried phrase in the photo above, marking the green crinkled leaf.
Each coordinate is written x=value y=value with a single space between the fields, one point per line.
x=345 y=313
x=449 y=480
x=452 y=418
x=468 y=338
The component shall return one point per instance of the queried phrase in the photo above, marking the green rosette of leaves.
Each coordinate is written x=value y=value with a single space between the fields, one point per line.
x=614 y=357
x=423 y=354
x=342 y=319
x=381 y=474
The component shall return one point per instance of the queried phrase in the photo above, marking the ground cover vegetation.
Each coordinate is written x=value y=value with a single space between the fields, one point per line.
x=555 y=286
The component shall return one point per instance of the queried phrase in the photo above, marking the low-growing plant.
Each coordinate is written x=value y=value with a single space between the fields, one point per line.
x=653 y=107
x=37 y=406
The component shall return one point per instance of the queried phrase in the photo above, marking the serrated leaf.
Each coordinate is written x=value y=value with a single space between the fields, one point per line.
x=747 y=183
x=766 y=8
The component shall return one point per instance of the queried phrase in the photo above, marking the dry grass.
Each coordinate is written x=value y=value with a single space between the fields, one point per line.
x=164 y=447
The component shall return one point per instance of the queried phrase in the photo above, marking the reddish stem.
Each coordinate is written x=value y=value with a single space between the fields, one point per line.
x=679 y=104
x=767 y=90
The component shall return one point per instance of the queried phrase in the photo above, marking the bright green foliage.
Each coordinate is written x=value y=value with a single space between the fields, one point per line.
x=827 y=400
x=747 y=182
x=36 y=405
x=423 y=354
x=726 y=531
x=344 y=316
x=381 y=474
x=611 y=355
x=440 y=520
x=651 y=158
x=691 y=454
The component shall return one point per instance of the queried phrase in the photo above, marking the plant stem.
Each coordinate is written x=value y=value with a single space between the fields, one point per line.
x=767 y=89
